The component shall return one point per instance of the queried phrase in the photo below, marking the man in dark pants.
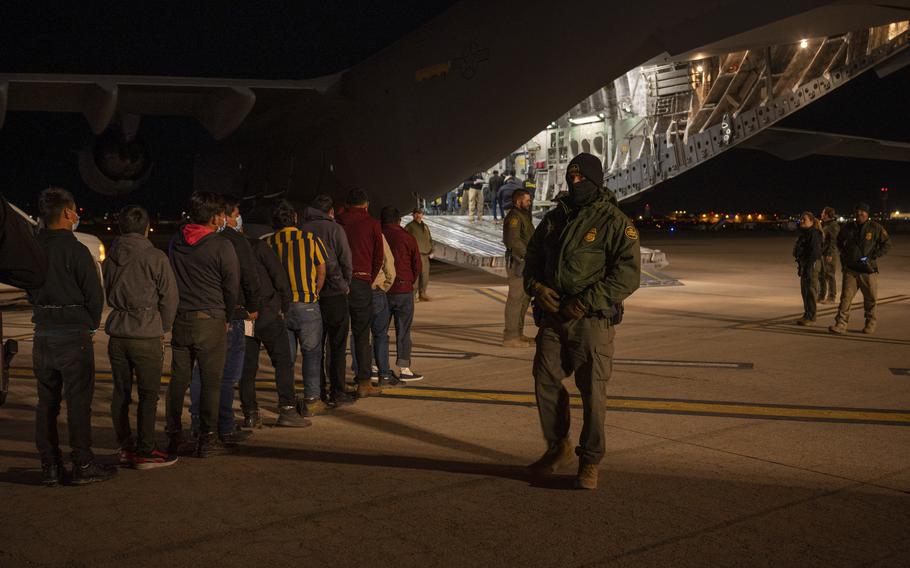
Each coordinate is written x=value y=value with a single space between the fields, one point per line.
x=365 y=238
x=582 y=262
x=246 y=309
x=142 y=294
x=516 y=232
x=495 y=182
x=400 y=296
x=270 y=330
x=827 y=289
x=319 y=219
x=67 y=311
x=208 y=282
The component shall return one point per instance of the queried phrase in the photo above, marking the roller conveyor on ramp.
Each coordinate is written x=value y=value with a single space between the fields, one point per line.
x=479 y=245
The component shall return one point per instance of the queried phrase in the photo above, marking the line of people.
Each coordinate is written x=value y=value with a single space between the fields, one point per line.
x=821 y=245
x=224 y=290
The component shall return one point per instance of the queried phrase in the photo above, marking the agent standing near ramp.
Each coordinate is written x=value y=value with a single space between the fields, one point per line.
x=516 y=232
x=582 y=262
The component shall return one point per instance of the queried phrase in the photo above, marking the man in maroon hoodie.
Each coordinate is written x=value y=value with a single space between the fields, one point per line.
x=365 y=238
x=401 y=294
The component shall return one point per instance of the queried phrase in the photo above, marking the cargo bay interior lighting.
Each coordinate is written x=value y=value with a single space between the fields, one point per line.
x=585 y=120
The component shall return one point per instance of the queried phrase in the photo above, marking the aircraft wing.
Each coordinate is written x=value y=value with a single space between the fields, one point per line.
x=221 y=105
x=792 y=144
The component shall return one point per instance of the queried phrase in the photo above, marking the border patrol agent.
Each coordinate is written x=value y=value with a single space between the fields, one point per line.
x=517 y=229
x=860 y=244
x=582 y=262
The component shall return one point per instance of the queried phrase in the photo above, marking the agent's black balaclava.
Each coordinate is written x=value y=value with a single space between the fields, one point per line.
x=587 y=190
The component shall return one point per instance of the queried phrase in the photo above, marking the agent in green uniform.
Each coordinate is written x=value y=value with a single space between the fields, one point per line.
x=517 y=229
x=421 y=232
x=827 y=291
x=582 y=262
x=860 y=244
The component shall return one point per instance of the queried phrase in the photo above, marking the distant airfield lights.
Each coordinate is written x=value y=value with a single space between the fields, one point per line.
x=803 y=43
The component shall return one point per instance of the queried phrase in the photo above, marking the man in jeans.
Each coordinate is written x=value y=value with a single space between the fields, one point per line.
x=246 y=309
x=302 y=256
x=365 y=238
x=67 y=311
x=270 y=331
x=208 y=282
x=401 y=294
x=142 y=293
x=319 y=219
x=379 y=323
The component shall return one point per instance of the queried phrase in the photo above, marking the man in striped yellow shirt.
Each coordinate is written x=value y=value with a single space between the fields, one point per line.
x=303 y=256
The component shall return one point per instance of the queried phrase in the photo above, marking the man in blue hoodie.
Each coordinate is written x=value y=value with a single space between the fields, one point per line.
x=208 y=281
x=142 y=294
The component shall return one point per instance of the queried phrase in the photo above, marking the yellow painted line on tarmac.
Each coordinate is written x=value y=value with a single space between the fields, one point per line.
x=623 y=404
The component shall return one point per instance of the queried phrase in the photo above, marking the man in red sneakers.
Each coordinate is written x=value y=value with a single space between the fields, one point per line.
x=142 y=294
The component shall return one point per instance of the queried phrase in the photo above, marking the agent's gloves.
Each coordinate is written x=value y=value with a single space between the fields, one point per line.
x=573 y=309
x=546 y=297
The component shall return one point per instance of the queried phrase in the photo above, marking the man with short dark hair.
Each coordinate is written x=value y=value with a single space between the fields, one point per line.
x=861 y=243
x=365 y=239
x=421 y=233
x=142 y=293
x=319 y=219
x=208 y=281
x=516 y=233
x=475 y=199
x=827 y=291
x=247 y=309
x=401 y=295
x=303 y=258
x=495 y=184
x=67 y=311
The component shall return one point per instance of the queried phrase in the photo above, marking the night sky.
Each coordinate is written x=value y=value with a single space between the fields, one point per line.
x=284 y=40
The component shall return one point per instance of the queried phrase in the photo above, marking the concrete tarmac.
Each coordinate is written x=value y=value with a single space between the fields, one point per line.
x=735 y=438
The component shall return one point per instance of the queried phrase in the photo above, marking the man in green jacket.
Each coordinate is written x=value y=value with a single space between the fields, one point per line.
x=420 y=231
x=860 y=244
x=582 y=262
x=517 y=229
x=827 y=291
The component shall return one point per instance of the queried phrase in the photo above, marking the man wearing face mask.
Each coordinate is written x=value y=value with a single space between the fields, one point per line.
x=582 y=261
x=67 y=311
x=247 y=309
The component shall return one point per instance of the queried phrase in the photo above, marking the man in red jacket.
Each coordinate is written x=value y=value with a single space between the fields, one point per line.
x=365 y=238
x=401 y=294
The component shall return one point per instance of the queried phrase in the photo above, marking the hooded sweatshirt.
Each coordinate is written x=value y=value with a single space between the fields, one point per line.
x=71 y=298
x=141 y=289
x=250 y=292
x=207 y=271
x=339 y=267
x=407 y=258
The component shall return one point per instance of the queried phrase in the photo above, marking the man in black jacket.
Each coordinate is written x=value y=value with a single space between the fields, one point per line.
x=247 y=308
x=67 y=311
x=208 y=281
x=269 y=331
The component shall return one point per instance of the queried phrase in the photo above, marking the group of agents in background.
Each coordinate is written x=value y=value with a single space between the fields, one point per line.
x=226 y=288
x=856 y=246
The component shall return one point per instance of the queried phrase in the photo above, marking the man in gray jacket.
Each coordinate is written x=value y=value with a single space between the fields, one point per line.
x=319 y=219
x=142 y=294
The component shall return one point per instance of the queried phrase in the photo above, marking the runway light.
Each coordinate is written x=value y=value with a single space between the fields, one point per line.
x=585 y=120
x=803 y=43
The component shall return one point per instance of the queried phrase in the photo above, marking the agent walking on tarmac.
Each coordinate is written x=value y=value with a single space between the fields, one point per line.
x=142 y=293
x=807 y=251
x=861 y=244
x=66 y=313
x=582 y=262
x=827 y=284
x=516 y=232
x=421 y=233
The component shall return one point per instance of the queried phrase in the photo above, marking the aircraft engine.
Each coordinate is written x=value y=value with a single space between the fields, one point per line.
x=113 y=164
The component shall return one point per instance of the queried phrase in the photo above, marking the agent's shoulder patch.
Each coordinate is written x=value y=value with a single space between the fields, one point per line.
x=513 y=222
x=631 y=232
x=591 y=235
x=869 y=236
